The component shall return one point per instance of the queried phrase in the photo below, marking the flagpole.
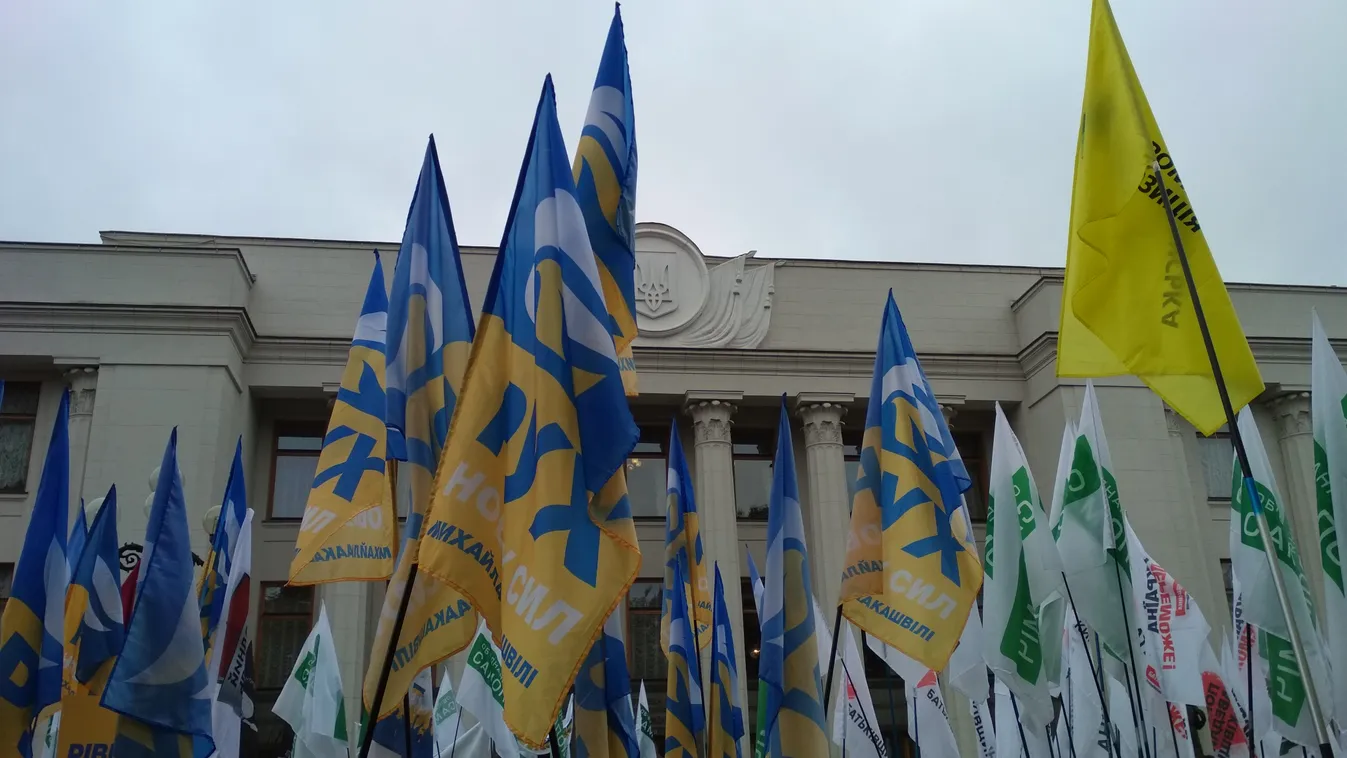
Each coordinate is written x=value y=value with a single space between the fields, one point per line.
x=1134 y=688
x=1174 y=735
x=1094 y=673
x=1278 y=581
x=1019 y=723
x=832 y=657
x=1133 y=696
x=367 y=739
x=1248 y=664
x=1070 y=732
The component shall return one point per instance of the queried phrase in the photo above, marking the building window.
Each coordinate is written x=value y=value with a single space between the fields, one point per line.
x=972 y=450
x=888 y=694
x=6 y=583
x=1228 y=576
x=1217 y=455
x=294 y=462
x=283 y=625
x=646 y=656
x=647 y=476
x=752 y=647
x=753 y=451
x=18 y=418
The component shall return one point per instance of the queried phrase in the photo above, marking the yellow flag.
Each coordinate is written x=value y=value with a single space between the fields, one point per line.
x=1125 y=305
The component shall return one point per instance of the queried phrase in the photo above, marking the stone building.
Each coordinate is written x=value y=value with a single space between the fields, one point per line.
x=230 y=336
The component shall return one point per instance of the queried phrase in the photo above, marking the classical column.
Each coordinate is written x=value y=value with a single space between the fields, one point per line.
x=827 y=517
x=713 y=459
x=83 y=383
x=1296 y=439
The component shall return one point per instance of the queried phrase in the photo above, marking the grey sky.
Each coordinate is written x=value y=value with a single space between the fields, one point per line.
x=938 y=130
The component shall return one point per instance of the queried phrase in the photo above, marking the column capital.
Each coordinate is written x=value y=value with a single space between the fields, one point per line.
x=1292 y=412
x=83 y=381
x=711 y=413
x=822 y=420
x=1173 y=423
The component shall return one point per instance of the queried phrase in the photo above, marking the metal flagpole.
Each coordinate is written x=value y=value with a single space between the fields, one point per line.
x=407 y=722
x=1248 y=664
x=1134 y=685
x=1094 y=673
x=1278 y=581
x=832 y=657
x=1070 y=732
x=1174 y=735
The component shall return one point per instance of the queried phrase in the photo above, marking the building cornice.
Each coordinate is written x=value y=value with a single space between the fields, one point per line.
x=131 y=319
x=223 y=251
x=814 y=363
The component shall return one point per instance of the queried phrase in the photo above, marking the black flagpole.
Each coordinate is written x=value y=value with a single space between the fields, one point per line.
x=1019 y=723
x=407 y=722
x=1134 y=688
x=832 y=657
x=1248 y=665
x=1278 y=581
x=1094 y=673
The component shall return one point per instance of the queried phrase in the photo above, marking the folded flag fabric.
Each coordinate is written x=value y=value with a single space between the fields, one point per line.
x=312 y=702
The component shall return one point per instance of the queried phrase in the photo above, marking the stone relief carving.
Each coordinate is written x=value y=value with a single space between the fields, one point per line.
x=822 y=424
x=710 y=421
x=1292 y=411
x=683 y=303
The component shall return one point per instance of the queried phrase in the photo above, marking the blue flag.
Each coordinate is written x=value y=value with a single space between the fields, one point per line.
x=604 y=724
x=683 y=542
x=94 y=629
x=430 y=332
x=32 y=628
x=79 y=533
x=789 y=664
x=605 y=184
x=725 y=722
x=232 y=512
x=159 y=684
x=684 y=719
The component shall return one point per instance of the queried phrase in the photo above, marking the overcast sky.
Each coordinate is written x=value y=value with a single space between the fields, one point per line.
x=940 y=130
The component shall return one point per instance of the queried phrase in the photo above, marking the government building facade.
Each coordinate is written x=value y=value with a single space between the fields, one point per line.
x=225 y=337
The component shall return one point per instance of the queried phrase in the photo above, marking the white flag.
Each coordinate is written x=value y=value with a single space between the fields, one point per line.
x=934 y=738
x=1328 y=401
x=1085 y=534
x=1173 y=631
x=967 y=672
x=1080 y=694
x=448 y=718
x=481 y=693
x=233 y=695
x=312 y=701
x=1022 y=572
x=1290 y=707
x=1013 y=734
x=983 y=728
x=856 y=722
x=644 y=728
x=1225 y=727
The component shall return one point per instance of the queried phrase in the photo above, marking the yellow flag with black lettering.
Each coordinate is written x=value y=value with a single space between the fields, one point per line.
x=1125 y=304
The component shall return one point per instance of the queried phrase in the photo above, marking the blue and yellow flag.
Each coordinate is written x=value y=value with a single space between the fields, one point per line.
x=789 y=663
x=430 y=333
x=31 y=647
x=725 y=714
x=605 y=184
x=79 y=534
x=605 y=726
x=233 y=511
x=912 y=570
x=683 y=544
x=349 y=531
x=530 y=518
x=94 y=632
x=391 y=737
x=684 y=717
x=159 y=684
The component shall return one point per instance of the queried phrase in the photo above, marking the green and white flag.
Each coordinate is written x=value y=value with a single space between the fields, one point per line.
x=1249 y=560
x=1328 y=400
x=644 y=727
x=312 y=702
x=481 y=692
x=1022 y=574
x=448 y=716
x=1092 y=547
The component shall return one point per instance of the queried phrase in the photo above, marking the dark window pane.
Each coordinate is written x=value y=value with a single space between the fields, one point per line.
x=1217 y=457
x=647 y=658
x=644 y=594
x=16 y=444
x=648 y=448
x=299 y=443
x=752 y=488
x=280 y=599
x=274 y=737
x=290 y=490
x=6 y=583
x=281 y=639
x=647 y=487
x=21 y=399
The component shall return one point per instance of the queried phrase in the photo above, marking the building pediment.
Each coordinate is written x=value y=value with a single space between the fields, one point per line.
x=685 y=300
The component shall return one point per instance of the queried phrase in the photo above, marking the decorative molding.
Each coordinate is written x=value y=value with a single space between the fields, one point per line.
x=817 y=363
x=1292 y=411
x=83 y=383
x=1173 y=422
x=113 y=246
x=822 y=423
x=133 y=319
